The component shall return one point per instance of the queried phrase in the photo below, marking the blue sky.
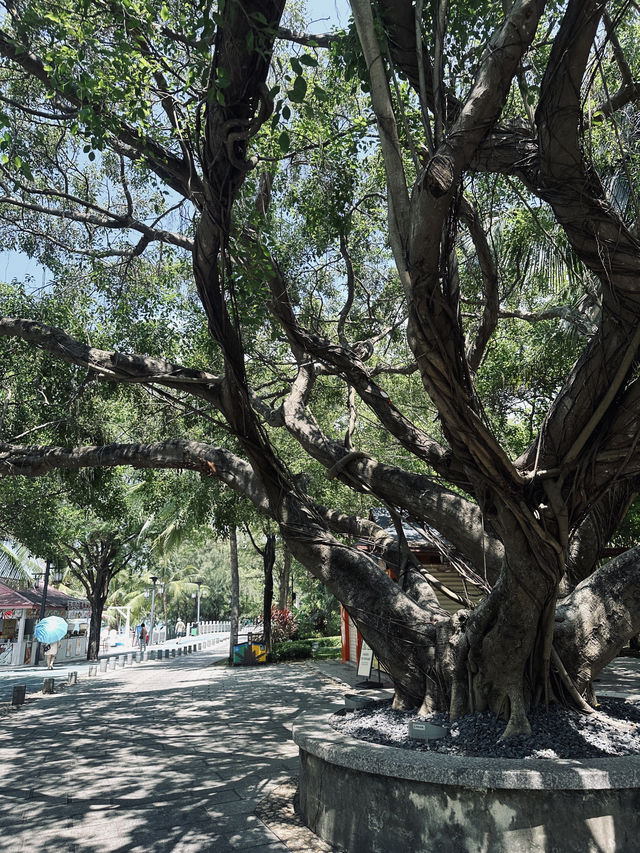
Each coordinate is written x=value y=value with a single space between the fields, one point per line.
x=327 y=13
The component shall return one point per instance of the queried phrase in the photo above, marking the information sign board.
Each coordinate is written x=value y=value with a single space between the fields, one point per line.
x=366 y=660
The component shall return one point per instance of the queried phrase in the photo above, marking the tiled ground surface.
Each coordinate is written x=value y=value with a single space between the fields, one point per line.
x=173 y=756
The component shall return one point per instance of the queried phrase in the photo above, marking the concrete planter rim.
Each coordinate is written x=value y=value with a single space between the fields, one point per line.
x=313 y=733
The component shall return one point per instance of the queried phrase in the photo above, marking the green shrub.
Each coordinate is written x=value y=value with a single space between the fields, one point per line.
x=312 y=647
x=290 y=650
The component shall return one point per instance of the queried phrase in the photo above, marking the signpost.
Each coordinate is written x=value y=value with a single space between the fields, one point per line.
x=365 y=665
x=366 y=660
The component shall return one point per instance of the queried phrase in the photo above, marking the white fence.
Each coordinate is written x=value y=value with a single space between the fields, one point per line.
x=208 y=628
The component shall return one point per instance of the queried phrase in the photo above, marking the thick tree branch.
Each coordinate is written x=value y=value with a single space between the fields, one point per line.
x=434 y=329
x=595 y=621
x=599 y=238
x=347 y=362
x=399 y=19
x=484 y=255
x=323 y=40
x=114 y=366
x=398 y=218
x=178 y=454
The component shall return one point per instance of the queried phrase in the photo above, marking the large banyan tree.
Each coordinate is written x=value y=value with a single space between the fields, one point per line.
x=372 y=216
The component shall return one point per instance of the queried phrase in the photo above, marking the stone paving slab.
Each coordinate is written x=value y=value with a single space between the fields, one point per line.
x=170 y=756
x=620 y=678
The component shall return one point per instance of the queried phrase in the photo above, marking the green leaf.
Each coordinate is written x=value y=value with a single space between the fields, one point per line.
x=223 y=78
x=284 y=141
x=296 y=95
x=164 y=13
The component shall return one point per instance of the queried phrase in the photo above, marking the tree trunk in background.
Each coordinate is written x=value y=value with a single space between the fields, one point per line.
x=235 y=591
x=269 y=558
x=93 y=646
x=285 y=575
x=97 y=598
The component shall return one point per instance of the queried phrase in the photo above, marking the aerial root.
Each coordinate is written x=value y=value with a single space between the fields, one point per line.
x=568 y=684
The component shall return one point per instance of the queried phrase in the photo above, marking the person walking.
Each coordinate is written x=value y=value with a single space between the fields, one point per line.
x=142 y=637
x=50 y=653
x=180 y=628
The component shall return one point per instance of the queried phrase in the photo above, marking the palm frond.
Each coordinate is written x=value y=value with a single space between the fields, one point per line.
x=16 y=563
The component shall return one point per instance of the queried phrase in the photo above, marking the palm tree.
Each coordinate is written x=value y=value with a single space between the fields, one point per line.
x=16 y=562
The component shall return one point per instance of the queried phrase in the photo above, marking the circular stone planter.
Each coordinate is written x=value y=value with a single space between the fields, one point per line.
x=370 y=798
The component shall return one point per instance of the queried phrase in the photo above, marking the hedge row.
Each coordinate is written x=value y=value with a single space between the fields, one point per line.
x=314 y=647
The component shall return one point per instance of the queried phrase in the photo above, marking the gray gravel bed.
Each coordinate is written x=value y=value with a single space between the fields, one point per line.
x=613 y=729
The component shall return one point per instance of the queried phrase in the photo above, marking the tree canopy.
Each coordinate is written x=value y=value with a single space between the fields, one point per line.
x=393 y=265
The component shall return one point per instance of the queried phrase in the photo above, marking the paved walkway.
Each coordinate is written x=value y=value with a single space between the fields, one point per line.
x=176 y=755
x=33 y=676
x=172 y=755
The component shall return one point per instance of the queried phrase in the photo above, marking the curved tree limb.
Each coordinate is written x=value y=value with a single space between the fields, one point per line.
x=600 y=239
x=114 y=366
x=598 y=618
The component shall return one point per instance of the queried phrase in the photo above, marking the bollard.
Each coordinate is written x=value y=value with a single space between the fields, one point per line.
x=93 y=670
x=112 y=663
x=129 y=659
x=179 y=651
x=72 y=677
x=122 y=661
x=103 y=664
x=19 y=692
x=173 y=653
x=47 y=685
x=137 y=657
x=167 y=654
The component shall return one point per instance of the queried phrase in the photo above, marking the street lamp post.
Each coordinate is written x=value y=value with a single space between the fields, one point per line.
x=153 y=604
x=57 y=577
x=198 y=610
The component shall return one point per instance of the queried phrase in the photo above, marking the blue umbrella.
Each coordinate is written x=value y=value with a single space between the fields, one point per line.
x=50 y=630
